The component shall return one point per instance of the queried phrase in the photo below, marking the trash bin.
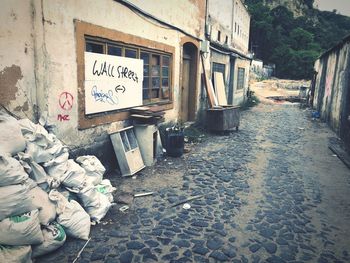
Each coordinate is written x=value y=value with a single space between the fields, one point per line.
x=174 y=142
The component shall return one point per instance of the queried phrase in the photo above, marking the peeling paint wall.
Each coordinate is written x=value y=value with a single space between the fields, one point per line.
x=332 y=95
x=17 y=78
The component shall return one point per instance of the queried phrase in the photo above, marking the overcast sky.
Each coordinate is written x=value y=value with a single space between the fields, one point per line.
x=343 y=6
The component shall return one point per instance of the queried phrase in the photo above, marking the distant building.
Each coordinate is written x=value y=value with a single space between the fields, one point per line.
x=228 y=26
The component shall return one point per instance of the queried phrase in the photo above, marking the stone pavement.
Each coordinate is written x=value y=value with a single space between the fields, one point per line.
x=272 y=192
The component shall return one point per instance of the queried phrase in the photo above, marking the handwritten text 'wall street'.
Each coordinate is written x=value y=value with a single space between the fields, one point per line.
x=107 y=69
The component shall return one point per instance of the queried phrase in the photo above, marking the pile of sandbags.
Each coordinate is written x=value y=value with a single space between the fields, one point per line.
x=44 y=195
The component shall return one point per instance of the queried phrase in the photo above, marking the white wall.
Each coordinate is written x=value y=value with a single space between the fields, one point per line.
x=233 y=20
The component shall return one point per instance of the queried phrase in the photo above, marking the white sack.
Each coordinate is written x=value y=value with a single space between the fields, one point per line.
x=75 y=176
x=11 y=171
x=47 y=209
x=95 y=203
x=69 y=195
x=57 y=166
x=15 y=199
x=106 y=188
x=93 y=167
x=21 y=230
x=35 y=171
x=15 y=254
x=11 y=138
x=73 y=218
x=38 y=153
x=54 y=237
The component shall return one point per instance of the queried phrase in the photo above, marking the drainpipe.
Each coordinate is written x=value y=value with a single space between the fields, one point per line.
x=206 y=18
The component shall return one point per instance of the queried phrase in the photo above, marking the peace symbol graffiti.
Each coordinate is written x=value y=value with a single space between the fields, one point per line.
x=66 y=100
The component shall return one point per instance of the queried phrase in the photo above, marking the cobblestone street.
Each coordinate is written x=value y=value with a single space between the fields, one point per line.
x=272 y=192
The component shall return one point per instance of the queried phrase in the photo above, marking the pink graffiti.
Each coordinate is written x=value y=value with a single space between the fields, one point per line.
x=66 y=100
x=61 y=117
x=329 y=80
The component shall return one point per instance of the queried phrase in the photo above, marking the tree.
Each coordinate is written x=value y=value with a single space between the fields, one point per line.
x=300 y=38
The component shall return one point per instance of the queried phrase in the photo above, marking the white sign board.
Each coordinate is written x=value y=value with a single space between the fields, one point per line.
x=112 y=83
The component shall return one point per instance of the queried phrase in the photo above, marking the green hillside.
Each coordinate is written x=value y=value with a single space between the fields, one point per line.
x=293 y=43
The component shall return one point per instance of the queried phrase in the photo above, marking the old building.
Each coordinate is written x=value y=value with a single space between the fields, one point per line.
x=331 y=96
x=86 y=63
x=227 y=28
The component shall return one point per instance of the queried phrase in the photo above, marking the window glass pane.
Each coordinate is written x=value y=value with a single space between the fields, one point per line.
x=146 y=70
x=94 y=47
x=132 y=139
x=155 y=93
x=155 y=60
x=115 y=51
x=240 y=78
x=130 y=53
x=145 y=90
x=155 y=71
x=125 y=141
x=145 y=57
x=145 y=94
x=155 y=83
x=165 y=88
x=165 y=71
x=166 y=61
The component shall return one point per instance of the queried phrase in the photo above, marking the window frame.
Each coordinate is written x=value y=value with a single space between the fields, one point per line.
x=105 y=43
x=83 y=30
x=240 y=78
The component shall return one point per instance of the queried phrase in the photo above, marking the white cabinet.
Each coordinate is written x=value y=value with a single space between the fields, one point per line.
x=149 y=142
x=127 y=151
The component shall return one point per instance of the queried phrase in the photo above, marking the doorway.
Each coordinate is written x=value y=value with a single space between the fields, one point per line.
x=188 y=83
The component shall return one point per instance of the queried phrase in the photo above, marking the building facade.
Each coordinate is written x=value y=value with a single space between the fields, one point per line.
x=228 y=25
x=57 y=57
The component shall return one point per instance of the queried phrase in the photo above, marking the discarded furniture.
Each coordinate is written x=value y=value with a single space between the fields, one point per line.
x=149 y=142
x=127 y=151
x=225 y=118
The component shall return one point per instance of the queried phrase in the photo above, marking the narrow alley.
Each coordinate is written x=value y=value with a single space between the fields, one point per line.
x=271 y=192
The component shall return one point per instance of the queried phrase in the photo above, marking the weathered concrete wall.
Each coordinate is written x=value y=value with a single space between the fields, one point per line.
x=240 y=26
x=39 y=60
x=332 y=96
x=17 y=53
x=232 y=19
x=187 y=15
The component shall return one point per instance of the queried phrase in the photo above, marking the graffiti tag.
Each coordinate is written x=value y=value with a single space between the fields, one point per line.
x=66 y=101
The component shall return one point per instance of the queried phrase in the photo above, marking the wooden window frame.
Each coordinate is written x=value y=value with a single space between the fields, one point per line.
x=86 y=31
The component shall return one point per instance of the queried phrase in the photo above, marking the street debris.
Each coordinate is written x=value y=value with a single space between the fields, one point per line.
x=143 y=194
x=44 y=195
x=81 y=250
x=124 y=198
x=123 y=208
x=187 y=200
x=186 y=206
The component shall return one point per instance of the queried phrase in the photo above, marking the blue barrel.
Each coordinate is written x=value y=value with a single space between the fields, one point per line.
x=174 y=143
